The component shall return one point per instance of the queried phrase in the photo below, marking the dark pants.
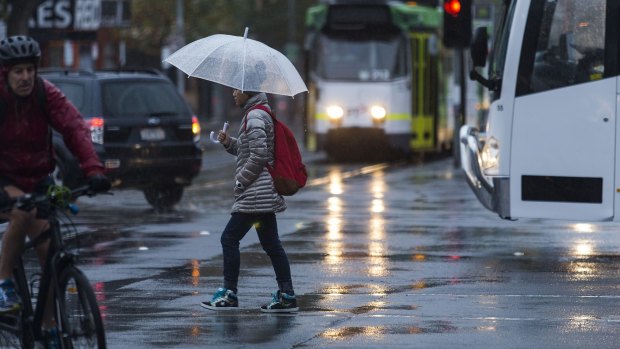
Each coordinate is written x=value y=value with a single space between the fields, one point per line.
x=267 y=230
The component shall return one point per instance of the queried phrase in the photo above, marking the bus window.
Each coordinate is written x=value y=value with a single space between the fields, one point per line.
x=498 y=54
x=569 y=45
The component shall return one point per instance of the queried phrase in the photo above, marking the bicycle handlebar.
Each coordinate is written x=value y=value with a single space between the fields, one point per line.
x=58 y=195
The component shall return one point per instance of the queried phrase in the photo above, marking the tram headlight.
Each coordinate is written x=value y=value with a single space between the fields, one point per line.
x=490 y=154
x=378 y=112
x=335 y=112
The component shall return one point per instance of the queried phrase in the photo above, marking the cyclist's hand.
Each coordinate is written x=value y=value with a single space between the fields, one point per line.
x=99 y=183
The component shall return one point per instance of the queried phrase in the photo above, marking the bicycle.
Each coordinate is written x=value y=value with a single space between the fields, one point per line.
x=75 y=309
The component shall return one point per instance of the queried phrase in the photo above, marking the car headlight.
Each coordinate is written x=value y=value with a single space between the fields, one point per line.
x=335 y=112
x=378 y=112
x=490 y=154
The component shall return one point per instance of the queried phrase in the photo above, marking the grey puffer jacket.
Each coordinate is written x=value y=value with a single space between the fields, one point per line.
x=254 y=150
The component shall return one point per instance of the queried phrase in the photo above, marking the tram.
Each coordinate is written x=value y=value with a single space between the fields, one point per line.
x=550 y=146
x=378 y=81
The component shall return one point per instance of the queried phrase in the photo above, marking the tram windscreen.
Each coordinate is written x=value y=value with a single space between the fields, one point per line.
x=359 y=59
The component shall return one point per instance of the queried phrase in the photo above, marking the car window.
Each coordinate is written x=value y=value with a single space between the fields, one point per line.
x=142 y=99
x=75 y=93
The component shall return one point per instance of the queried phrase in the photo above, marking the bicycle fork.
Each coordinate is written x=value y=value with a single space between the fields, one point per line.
x=48 y=298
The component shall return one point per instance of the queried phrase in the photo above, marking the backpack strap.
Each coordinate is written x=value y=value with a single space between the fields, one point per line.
x=261 y=107
x=42 y=97
x=2 y=110
x=273 y=117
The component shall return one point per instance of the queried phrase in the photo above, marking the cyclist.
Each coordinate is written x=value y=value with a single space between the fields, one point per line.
x=26 y=153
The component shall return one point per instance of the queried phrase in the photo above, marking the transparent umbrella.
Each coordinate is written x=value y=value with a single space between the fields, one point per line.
x=239 y=62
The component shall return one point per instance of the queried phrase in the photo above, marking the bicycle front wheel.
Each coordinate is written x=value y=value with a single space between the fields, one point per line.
x=81 y=320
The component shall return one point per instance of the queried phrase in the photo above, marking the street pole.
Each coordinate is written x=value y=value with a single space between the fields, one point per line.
x=460 y=118
x=180 y=41
x=292 y=23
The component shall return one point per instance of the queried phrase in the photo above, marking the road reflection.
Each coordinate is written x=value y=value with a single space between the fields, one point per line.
x=582 y=249
x=377 y=262
x=337 y=249
x=100 y=295
x=335 y=182
x=195 y=273
x=377 y=248
x=334 y=246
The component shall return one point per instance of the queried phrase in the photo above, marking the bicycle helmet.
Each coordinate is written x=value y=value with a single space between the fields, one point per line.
x=19 y=49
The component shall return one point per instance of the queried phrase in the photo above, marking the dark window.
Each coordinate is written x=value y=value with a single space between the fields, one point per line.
x=564 y=44
x=108 y=9
x=500 y=47
x=115 y=13
x=359 y=16
x=76 y=93
x=126 y=15
x=562 y=189
x=142 y=99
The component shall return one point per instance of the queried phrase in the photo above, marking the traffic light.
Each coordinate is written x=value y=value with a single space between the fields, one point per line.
x=457 y=23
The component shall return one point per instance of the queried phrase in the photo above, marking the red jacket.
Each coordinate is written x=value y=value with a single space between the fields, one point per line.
x=25 y=154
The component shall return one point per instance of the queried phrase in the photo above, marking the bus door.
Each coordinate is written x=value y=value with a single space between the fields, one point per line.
x=424 y=88
x=565 y=110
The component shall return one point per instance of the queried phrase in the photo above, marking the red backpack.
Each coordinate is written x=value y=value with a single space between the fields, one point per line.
x=288 y=171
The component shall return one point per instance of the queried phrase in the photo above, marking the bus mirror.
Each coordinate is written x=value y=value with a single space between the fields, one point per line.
x=479 y=47
x=492 y=85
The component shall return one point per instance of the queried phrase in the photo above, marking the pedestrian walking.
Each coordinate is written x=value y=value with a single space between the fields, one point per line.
x=252 y=69
x=256 y=204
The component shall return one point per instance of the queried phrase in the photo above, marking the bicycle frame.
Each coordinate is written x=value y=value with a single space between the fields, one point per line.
x=61 y=282
x=57 y=258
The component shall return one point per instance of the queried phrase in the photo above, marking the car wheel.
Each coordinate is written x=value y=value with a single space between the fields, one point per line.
x=163 y=197
x=67 y=170
x=64 y=174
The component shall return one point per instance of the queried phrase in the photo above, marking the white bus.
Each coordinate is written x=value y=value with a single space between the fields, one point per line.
x=550 y=144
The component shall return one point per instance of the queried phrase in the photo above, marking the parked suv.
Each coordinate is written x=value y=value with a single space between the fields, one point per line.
x=142 y=128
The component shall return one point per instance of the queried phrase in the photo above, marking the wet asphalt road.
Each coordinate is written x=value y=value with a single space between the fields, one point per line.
x=382 y=255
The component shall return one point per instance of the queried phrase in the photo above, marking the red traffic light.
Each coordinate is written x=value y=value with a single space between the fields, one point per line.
x=457 y=23
x=452 y=7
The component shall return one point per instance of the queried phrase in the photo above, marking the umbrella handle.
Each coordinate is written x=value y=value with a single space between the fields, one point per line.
x=212 y=134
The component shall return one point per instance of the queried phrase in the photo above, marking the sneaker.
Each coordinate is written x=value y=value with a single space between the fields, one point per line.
x=52 y=341
x=9 y=299
x=223 y=299
x=281 y=303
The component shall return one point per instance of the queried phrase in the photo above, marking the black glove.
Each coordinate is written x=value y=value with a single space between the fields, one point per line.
x=5 y=200
x=99 y=183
